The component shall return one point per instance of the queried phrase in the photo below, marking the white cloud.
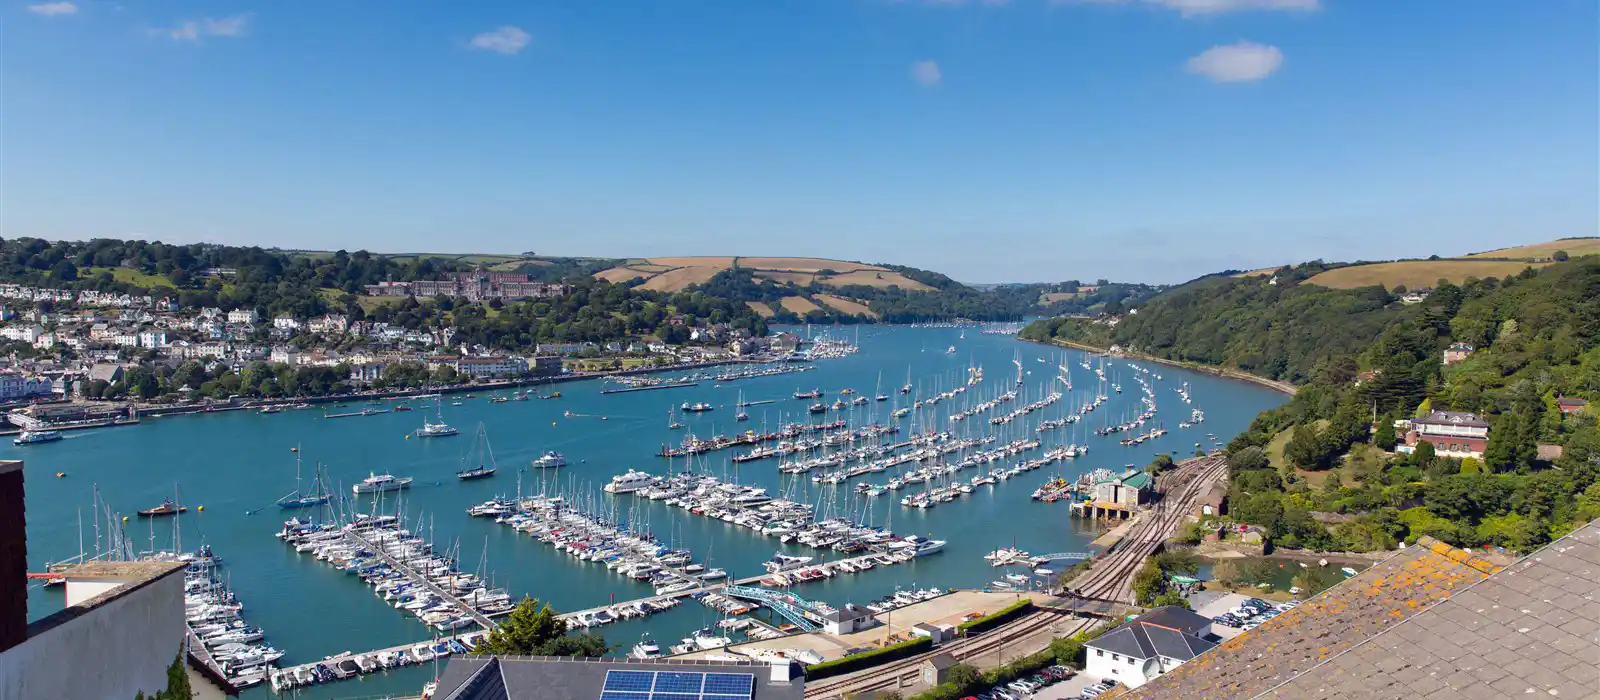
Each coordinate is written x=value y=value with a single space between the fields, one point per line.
x=194 y=29
x=1196 y=8
x=51 y=9
x=507 y=40
x=1243 y=62
x=926 y=73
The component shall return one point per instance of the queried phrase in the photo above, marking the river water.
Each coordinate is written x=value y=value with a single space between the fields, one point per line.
x=237 y=464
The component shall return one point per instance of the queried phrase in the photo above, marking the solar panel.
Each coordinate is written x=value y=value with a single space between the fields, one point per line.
x=730 y=684
x=678 y=682
x=677 y=685
x=629 y=681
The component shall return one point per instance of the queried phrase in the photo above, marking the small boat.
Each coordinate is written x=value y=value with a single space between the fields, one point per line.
x=817 y=407
x=701 y=407
x=167 y=507
x=1348 y=571
x=270 y=410
x=803 y=395
x=377 y=483
x=34 y=437
x=401 y=407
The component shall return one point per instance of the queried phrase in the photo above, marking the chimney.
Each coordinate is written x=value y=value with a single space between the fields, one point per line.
x=13 y=557
x=786 y=670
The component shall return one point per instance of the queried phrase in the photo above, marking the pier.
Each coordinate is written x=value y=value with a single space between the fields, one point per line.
x=478 y=617
x=405 y=655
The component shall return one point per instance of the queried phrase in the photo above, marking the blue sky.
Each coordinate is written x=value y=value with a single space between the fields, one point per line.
x=1150 y=140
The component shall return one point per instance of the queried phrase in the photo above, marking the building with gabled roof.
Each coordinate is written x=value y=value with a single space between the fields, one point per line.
x=1145 y=648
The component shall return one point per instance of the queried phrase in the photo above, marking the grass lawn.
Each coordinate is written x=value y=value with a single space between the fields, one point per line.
x=128 y=276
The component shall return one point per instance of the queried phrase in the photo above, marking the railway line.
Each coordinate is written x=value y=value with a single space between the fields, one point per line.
x=1109 y=577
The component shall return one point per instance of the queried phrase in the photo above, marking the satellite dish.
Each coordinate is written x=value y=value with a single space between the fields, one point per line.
x=1152 y=667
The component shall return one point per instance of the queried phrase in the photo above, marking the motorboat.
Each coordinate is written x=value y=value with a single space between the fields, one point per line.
x=701 y=407
x=167 y=507
x=550 y=460
x=919 y=546
x=430 y=429
x=784 y=562
x=34 y=437
x=647 y=648
x=632 y=481
x=378 y=483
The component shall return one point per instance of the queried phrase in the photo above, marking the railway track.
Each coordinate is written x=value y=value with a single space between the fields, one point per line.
x=1108 y=577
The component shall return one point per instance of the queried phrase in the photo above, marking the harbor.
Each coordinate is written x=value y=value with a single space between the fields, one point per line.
x=314 y=609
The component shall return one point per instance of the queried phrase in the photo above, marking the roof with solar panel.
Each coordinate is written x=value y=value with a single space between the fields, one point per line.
x=519 y=678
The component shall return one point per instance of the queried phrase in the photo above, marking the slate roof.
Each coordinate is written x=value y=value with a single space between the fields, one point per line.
x=550 y=678
x=1429 y=622
x=1470 y=420
x=1167 y=631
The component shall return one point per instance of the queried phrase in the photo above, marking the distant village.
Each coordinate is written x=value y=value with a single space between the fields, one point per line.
x=81 y=337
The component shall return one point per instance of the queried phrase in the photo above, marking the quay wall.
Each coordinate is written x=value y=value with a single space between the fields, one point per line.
x=105 y=651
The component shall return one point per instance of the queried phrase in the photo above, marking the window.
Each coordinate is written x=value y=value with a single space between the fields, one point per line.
x=1099 y=652
x=1116 y=657
x=1130 y=661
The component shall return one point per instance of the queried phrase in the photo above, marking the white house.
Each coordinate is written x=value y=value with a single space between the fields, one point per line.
x=243 y=316
x=26 y=332
x=1154 y=644
x=152 y=339
x=126 y=339
x=329 y=324
x=285 y=355
x=286 y=323
x=494 y=366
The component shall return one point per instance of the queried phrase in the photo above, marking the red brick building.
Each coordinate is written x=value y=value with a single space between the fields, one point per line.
x=1453 y=434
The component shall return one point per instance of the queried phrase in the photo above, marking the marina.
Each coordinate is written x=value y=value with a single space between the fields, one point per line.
x=315 y=610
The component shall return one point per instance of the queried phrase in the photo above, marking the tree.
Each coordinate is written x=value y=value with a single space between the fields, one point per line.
x=533 y=629
x=1161 y=463
x=1559 y=256
x=64 y=271
x=1383 y=435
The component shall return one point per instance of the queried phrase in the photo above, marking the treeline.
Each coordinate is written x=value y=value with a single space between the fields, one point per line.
x=1317 y=472
x=271 y=282
x=191 y=379
x=949 y=299
x=595 y=311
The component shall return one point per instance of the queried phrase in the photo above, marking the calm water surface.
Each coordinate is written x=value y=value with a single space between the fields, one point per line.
x=237 y=464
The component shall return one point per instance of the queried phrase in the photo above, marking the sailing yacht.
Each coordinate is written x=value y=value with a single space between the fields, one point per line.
x=741 y=415
x=485 y=459
x=439 y=429
x=297 y=498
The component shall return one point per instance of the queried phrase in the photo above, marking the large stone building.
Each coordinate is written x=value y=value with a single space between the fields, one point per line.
x=477 y=285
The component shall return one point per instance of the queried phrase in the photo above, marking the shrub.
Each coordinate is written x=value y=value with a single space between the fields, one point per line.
x=997 y=618
x=868 y=659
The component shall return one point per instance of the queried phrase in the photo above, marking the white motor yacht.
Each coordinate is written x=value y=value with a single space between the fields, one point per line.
x=632 y=481
x=646 y=649
x=376 y=483
x=550 y=460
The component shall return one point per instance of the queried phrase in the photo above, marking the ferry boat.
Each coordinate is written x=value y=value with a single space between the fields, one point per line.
x=34 y=437
x=628 y=483
x=377 y=483
x=167 y=507
x=550 y=460
x=803 y=395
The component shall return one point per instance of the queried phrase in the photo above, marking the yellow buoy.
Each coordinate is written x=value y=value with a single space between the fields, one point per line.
x=201 y=509
x=124 y=518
